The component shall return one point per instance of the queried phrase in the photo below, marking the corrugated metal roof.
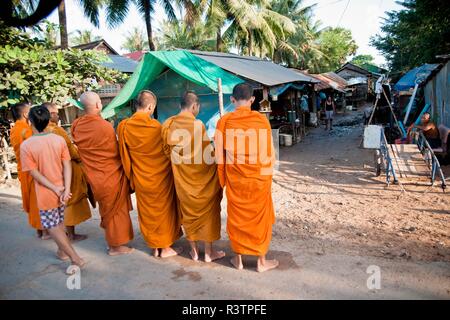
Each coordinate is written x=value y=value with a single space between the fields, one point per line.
x=354 y=68
x=136 y=55
x=123 y=64
x=336 y=78
x=253 y=68
x=325 y=81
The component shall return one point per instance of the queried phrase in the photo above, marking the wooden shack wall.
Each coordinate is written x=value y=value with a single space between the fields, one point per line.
x=437 y=94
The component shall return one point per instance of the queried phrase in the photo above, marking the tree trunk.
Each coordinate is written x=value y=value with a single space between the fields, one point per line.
x=219 y=41
x=250 y=42
x=63 y=25
x=148 y=24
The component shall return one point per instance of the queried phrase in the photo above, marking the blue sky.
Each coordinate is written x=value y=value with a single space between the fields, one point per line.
x=362 y=17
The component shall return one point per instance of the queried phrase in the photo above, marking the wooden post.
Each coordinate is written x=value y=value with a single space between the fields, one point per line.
x=5 y=159
x=265 y=93
x=66 y=113
x=314 y=101
x=294 y=114
x=220 y=94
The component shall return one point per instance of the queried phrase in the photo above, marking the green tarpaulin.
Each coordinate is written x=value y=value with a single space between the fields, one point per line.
x=76 y=103
x=187 y=65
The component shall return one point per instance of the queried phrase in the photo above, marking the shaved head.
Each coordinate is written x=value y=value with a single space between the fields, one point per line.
x=91 y=102
x=20 y=110
x=188 y=99
x=190 y=102
x=50 y=106
x=146 y=98
x=53 y=109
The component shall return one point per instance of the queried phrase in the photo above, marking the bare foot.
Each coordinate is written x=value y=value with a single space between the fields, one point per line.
x=215 y=255
x=77 y=237
x=170 y=252
x=194 y=255
x=268 y=265
x=237 y=263
x=156 y=253
x=39 y=233
x=117 y=251
x=62 y=256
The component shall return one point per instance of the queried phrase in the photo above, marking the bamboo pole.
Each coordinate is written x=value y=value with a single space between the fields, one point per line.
x=220 y=94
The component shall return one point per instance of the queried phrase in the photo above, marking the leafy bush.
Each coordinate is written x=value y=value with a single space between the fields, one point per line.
x=31 y=71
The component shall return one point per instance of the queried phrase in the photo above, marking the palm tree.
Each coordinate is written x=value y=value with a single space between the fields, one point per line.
x=82 y=37
x=300 y=49
x=90 y=7
x=63 y=25
x=135 y=41
x=117 y=10
x=48 y=32
x=186 y=35
x=262 y=28
x=91 y=10
x=248 y=24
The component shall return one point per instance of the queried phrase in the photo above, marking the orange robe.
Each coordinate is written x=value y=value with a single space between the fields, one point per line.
x=196 y=180
x=77 y=209
x=151 y=177
x=246 y=172
x=99 y=152
x=19 y=133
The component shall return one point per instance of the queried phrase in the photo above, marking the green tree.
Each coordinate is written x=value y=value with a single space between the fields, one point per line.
x=186 y=36
x=414 y=35
x=31 y=71
x=117 y=10
x=362 y=59
x=249 y=25
x=135 y=41
x=47 y=31
x=337 y=45
x=299 y=49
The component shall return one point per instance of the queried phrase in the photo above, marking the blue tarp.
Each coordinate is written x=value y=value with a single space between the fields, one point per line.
x=416 y=75
x=276 y=91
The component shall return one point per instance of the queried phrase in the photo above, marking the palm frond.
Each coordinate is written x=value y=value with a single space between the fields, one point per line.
x=116 y=11
x=91 y=10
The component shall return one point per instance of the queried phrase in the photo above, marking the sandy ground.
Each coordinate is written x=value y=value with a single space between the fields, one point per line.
x=334 y=220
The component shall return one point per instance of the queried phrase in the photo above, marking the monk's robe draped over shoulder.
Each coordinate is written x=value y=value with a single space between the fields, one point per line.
x=246 y=171
x=99 y=152
x=19 y=133
x=77 y=209
x=196 y=180
x=151 y=177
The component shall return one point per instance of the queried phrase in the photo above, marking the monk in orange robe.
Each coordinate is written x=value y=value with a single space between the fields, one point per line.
x=195 y=172
x=77 y=208
x=150 y=175
x=245 y=156
x=19 y=133
x=99 y=152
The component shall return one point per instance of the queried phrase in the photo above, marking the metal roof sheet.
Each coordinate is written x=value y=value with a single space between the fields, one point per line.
x=123 y=64
x=262 y=71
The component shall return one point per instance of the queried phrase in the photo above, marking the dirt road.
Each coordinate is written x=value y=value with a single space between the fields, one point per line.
x=335 y=220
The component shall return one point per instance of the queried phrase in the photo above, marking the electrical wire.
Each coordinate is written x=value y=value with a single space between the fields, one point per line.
x=342 y=15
